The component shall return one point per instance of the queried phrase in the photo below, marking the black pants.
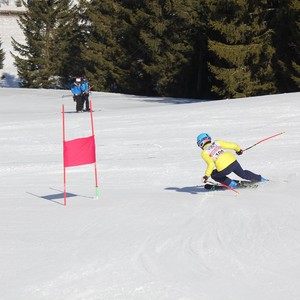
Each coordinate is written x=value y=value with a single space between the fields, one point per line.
x=85 y=98
x=235 y=168
x=79 y=102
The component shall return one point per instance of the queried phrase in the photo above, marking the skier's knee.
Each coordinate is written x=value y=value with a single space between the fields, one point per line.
x=213 y=174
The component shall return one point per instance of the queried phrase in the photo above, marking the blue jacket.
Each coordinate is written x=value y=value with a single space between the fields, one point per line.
x=85 y=86
x=76 y=89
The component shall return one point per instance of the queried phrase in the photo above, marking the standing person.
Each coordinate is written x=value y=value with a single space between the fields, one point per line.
x=221 y=163
x=77 y=94
x=85 y=93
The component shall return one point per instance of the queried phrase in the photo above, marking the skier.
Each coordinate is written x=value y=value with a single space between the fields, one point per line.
x=85 y=93
x=221 y=163
x=77 y=94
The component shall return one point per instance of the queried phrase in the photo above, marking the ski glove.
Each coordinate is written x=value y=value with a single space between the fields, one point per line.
x=239 y=152
x=205 y=178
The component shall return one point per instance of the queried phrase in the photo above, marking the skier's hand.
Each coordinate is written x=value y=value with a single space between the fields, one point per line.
x=239 y=152
x=204 y=179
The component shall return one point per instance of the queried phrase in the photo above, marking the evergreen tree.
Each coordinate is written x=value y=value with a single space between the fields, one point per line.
x=2 y=55
x=47 y=26
x=142 y=47
x=72 y=39
x=295 y=5
x=163 y=48
x=199 y=76
x=285 y=21
x=241 y=49
x=105 y=59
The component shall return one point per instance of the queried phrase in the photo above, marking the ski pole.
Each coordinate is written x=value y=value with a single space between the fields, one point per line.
x=270 y=137
x=64 y=96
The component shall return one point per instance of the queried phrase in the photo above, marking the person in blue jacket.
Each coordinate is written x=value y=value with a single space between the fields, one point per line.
x=85 y=93
x=77 y=94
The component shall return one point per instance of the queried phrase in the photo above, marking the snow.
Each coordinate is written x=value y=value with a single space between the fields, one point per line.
x=154 y=233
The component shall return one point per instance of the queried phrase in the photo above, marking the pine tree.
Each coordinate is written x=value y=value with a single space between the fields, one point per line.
x=71 y=36
x=142 y=47
x=163 y=46
x=285 y=21
x=105 y=59
x=295 y=6
x=199 y=76
x=241 y=49
x=2 y=55
x=46 y=26
x=158 y=46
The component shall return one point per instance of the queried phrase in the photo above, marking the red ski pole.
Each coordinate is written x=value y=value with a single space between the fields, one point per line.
x=270 y=137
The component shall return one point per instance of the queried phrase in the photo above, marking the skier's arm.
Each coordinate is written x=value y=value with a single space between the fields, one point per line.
x=210 y=163
x=229 y=145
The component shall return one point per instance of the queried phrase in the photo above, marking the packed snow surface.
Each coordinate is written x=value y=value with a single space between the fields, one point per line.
x=154 y=233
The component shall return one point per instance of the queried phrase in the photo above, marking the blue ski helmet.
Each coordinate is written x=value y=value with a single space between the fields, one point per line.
x=202 y=139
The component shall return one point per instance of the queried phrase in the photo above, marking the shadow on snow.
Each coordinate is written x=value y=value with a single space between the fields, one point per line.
x=167 y=99
x=188 y=189
x=57 y=196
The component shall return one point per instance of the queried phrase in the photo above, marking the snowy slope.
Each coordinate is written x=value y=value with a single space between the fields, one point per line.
x=154 y=233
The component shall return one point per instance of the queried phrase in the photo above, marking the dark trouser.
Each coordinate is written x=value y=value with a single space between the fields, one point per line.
x=235 y=168
x=85 y=98
x=79 y=102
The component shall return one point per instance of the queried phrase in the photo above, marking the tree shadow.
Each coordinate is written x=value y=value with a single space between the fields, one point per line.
x=194 y=190
x=175 y=100
x=169 y=100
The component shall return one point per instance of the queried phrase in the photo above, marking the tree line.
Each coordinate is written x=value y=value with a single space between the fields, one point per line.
x=180 y=48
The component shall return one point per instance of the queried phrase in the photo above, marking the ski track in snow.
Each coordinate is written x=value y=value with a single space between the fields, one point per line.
x=154 y=233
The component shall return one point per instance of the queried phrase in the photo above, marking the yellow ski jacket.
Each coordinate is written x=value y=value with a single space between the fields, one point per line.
x=215 y=156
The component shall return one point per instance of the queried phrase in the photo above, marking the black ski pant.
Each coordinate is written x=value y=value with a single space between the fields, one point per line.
x=85 y=99
x=235 y=168
x=79 y=102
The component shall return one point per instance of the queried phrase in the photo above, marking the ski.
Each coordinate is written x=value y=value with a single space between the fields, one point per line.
x=247 y=184
x=242 y=184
